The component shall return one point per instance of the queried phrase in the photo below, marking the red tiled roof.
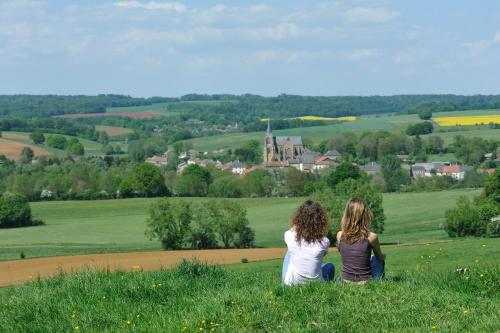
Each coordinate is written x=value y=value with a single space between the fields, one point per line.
x=451 y=169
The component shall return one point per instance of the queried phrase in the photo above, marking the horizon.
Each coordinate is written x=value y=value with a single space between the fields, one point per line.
x=160 y=48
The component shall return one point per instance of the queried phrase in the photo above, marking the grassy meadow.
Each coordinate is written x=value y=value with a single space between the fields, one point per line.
x=75 y=227
x=422 y=292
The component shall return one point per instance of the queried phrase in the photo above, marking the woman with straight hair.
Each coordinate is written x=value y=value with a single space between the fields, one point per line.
x=356 y=242
x=307 y=245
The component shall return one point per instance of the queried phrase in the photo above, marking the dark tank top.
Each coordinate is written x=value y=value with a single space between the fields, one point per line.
x=356 y=260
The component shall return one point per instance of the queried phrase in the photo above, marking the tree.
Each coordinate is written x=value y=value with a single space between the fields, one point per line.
x=422 y=128
x=344 y=171
x=225 y=187
x=148 y=181
x=37 y=137
x=76 y=148
x=56 y=141
x=251 y=152
x=169 y=222
x=425 y=114
x=393 y=175
x=231 y=223
x=203 y=234
x=14 y=211
x=296 y=181
x=334 y=201
x=27 y=155
x=258 y=183
x=464 y=220
x=194 y=181
x=103 y=138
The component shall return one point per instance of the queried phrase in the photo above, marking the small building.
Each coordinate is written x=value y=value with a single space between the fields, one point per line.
x=157 y=160
x=456 y=172
x=322 y=162
x=371 y=168
x=333 y=155
x=417 y=171
x=235 y=167
x=305 y=162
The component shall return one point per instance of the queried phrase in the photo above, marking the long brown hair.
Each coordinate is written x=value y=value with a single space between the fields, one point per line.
x=310 y=222
x=356 y=221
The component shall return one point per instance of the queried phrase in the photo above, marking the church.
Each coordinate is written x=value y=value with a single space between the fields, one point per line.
x=281 y=148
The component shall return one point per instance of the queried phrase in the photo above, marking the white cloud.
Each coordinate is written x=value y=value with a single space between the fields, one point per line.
x=496 y=39
x=364 y=54
x=370 y=15
x=152 y=5
x=404 y=57
x=279 y=32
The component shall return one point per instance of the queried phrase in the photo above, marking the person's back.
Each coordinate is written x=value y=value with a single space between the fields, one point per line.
x=356 y=242
x=307 y=245
x=356 y=260
x=305 y=259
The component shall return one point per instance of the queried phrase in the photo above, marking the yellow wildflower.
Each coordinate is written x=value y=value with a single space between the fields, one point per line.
x=466 y=312
x=434 y=328
x=129 y=322
x=77 y=328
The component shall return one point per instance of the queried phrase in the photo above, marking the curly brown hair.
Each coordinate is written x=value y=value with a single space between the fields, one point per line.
x=310 y=222
x=356 y=221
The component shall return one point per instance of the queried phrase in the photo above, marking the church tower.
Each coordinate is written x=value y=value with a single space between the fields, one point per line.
x=268 y=144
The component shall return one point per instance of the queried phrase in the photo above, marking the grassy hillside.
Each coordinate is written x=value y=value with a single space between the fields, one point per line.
x=421 y=293
x=76 y=227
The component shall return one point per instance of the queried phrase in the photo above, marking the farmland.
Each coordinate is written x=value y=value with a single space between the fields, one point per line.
x=113 y=131
x=12 y=149
x=467 y=120
x=15 y=141
x=76 y=227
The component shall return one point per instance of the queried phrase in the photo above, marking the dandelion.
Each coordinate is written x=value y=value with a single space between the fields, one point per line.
x=466 y=312
x=434 y=328
x=129 y=322
x=481 y=275
x=484 y=245
x=73 y=316
x=77 y=328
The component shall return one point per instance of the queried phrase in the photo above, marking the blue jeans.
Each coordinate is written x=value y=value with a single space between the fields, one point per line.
x=378 y=268
x=327 y=270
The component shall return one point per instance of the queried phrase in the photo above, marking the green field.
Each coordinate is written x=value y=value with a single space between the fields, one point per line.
x=388 y=122
x=75 y=227
x=422 y=292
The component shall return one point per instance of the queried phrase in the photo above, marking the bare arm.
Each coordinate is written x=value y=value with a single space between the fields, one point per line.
x=373 y=239
x=339 y=235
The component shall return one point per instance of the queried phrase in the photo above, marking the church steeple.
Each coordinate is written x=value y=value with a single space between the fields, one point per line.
x=268 y=132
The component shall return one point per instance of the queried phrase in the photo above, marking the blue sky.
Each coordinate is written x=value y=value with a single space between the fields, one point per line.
x=146 y=48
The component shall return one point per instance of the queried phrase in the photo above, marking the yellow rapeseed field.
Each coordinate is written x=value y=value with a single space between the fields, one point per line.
x=467 y=120
x=349 y=118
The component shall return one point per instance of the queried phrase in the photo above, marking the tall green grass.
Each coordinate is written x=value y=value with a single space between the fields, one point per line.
x=422 y=293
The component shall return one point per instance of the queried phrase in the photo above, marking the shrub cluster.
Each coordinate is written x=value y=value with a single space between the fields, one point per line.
x=182 y=224
x=478 y=218
x=15 y=212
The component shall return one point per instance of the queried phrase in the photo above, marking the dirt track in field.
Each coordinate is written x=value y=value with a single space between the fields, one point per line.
x=20 y=271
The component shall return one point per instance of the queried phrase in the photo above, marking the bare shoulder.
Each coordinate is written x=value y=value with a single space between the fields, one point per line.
x=372 y=237
x=339 y=235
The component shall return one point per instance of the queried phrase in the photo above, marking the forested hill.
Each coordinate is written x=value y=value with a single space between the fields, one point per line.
x=248 y=106
x=41 y=106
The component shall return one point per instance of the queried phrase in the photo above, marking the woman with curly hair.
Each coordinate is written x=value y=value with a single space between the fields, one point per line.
x=356 y=242
x=307 y=245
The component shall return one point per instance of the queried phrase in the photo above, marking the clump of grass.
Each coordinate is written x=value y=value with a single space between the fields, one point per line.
x=22 y=255
x=244 y=260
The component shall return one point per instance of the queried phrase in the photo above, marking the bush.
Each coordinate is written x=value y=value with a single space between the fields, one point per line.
x=422 y=128
x=15 y=211
x=466 y=219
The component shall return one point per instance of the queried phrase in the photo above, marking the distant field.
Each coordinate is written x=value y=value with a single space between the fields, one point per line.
x=484 y=132
x=315 y=133
x=349 y=118
x=12 y=149
x=114 y=131
x=467 y=120
x=76 y=227
x=91 y=147
x=133 y=115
